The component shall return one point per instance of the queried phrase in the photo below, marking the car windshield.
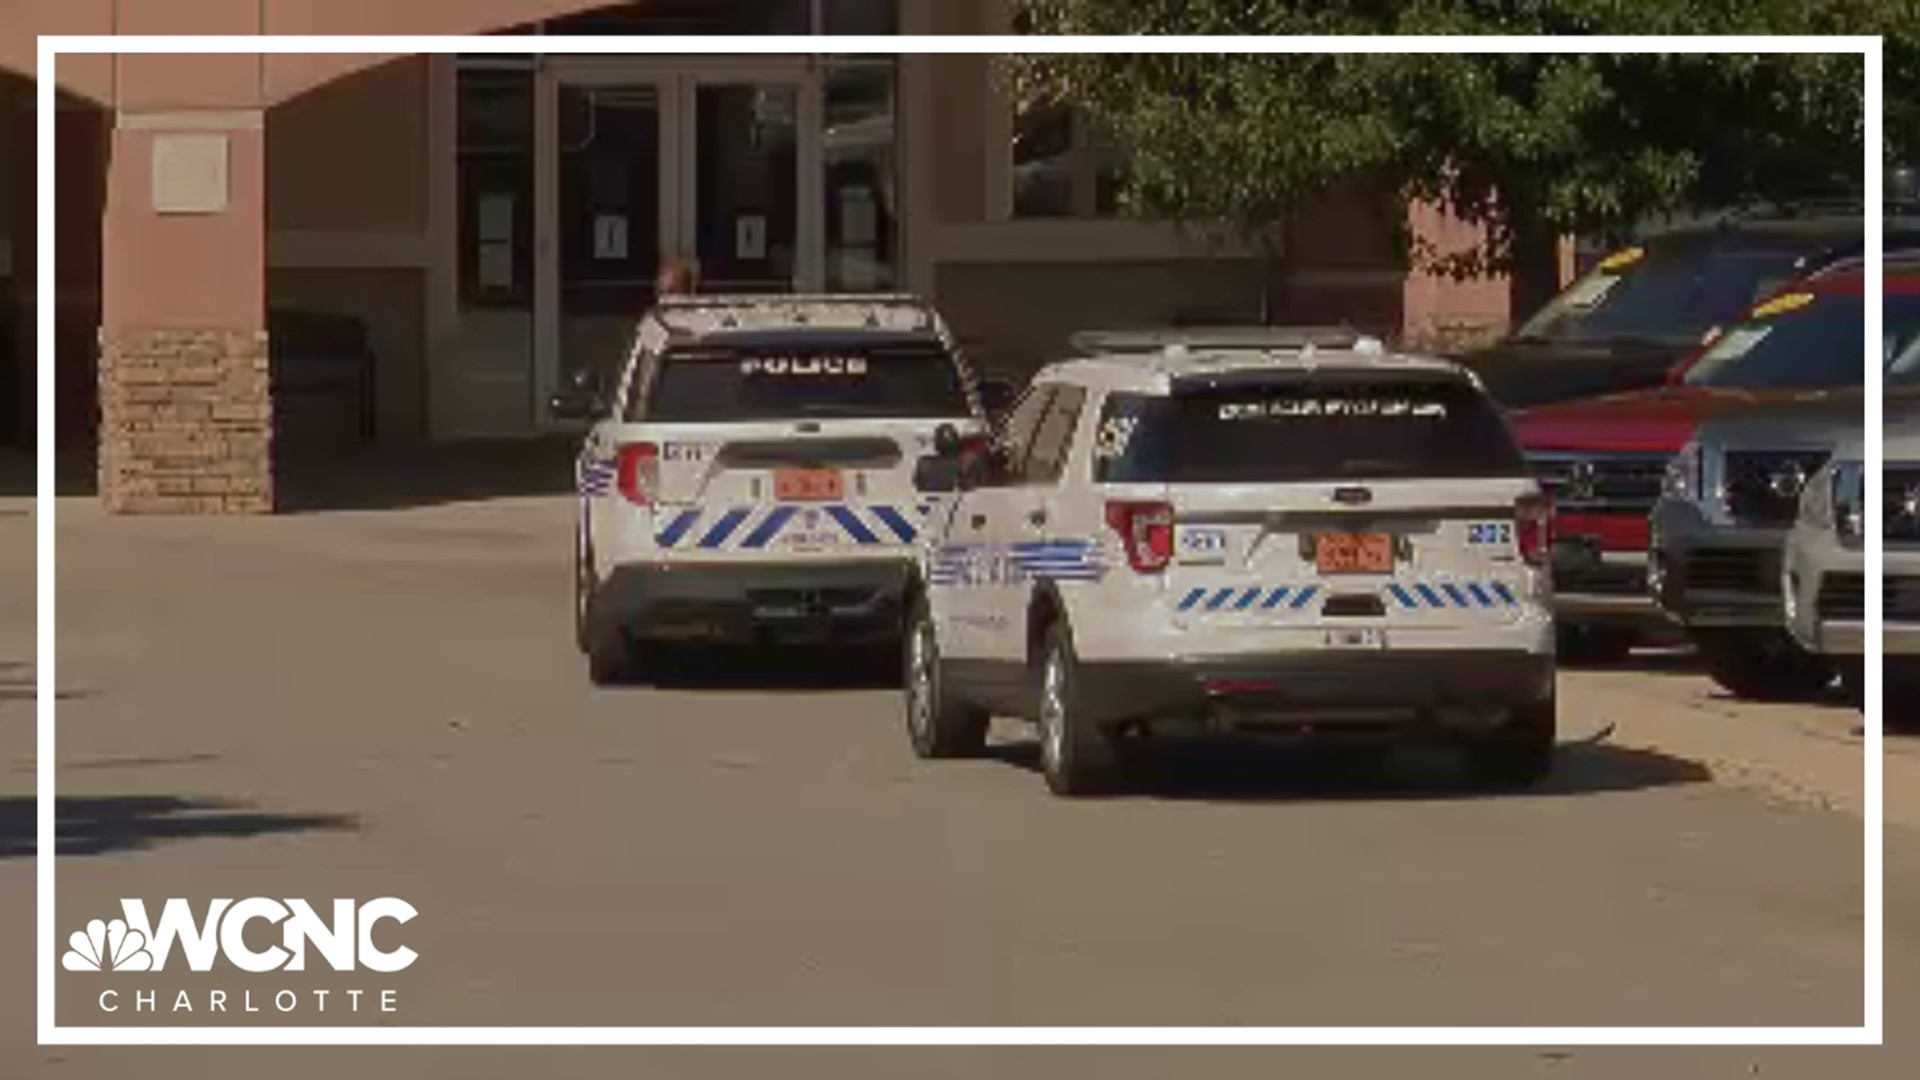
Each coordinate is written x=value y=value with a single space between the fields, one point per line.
x=1304 y=430
x=1904 y=368
x=1806 y=340
x=1667 y=295
x=722 y=384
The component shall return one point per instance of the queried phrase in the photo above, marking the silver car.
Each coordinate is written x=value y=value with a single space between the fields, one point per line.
x=1824 y=577
x=1717 y=534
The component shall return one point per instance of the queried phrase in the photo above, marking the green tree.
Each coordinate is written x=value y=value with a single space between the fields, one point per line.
x=1530 y=147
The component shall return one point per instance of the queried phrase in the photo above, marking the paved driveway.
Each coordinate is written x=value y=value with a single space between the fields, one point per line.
x=352 y=705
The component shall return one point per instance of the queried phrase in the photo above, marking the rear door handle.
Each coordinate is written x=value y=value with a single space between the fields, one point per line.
x=1037 y=518
x=979 y=521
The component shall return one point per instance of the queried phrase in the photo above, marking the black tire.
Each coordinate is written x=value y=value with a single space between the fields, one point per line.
x=1594 y=646
x=1900 y=693
x=1518 y=753
x=1077 y=756
x=939 y=724
x=613 y=658
x=1763 y=665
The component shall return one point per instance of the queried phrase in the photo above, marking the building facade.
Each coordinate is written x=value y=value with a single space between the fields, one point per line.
x=257 y=253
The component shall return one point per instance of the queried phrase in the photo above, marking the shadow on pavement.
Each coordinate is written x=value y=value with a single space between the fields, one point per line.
x=1265 y=772
x=99 y=825
x=17 y=685
x=788 y=668
x=1674 y=661
x=394 y=476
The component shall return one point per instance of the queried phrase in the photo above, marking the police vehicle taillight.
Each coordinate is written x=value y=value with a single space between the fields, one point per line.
x=1533 y=528
x=1146 y=529
x=639 y=471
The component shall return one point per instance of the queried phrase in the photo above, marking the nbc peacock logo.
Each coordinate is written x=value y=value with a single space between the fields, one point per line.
x=107 y=946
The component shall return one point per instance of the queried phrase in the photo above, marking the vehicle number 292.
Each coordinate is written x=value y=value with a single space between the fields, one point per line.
x=1490 y=532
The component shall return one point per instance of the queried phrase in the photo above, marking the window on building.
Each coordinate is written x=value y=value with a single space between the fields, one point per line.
x=1064 y=166
x=495 y=182
x=858 y=153
x=855 y=17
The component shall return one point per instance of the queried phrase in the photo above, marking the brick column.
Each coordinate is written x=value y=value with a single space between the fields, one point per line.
x=186 y=423
x=186 y=414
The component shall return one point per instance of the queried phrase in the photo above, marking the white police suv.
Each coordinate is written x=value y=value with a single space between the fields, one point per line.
x=1280 y=532
x=749 y=471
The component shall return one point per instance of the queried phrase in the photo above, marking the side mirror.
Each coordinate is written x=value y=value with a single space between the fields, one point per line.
x=570 y=405
x=996 y=397
x=946 y=441
x=938 y=473
x=581 y=398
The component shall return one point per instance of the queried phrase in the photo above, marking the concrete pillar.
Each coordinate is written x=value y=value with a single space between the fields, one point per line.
x=185 y=406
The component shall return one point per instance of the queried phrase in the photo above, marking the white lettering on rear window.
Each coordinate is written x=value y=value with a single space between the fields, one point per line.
x=1339 y=408
x=1114 y=435
x=804 y=365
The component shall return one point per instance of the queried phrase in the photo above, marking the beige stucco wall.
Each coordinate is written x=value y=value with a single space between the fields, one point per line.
x=347 y=175
x=957 y=140
x=351 y=156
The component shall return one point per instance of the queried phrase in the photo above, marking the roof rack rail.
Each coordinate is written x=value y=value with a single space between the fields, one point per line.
x=709 y=300
x=1220 y=339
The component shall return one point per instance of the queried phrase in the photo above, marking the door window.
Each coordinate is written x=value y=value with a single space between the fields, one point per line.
x=1015 y=437
x=746 y=186
x=609 y=218
x=494 y=165
x=1054 y=437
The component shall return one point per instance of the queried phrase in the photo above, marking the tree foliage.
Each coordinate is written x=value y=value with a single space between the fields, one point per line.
x=1528 y=146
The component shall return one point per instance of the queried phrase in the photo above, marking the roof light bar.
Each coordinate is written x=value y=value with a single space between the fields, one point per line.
x=1222 y=339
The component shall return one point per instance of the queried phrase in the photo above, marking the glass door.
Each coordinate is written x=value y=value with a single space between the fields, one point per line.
x=648 y=159
x=743 y=177
x=611 y=230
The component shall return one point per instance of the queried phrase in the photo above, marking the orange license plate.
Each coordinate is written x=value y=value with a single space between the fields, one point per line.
x=806 y=485
x=1353 y=553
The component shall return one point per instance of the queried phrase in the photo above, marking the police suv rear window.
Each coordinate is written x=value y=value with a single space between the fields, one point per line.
x=1304 y=430
x=837 y=380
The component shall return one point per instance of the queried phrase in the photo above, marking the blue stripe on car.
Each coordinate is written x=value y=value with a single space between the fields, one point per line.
x=769 y=527
x=894 y=520
x=723 y=528
x=677 y=528
x=853 y=525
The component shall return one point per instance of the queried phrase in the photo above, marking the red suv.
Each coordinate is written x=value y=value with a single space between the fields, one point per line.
x=1605 y=459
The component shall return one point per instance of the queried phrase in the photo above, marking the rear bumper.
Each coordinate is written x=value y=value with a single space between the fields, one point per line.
x=1420 y=684
x=827 y=602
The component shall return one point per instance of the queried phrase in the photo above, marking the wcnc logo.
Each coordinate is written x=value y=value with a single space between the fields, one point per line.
x=134 y=943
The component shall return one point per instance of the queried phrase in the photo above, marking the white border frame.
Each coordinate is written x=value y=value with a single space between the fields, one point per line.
x=50 y=48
